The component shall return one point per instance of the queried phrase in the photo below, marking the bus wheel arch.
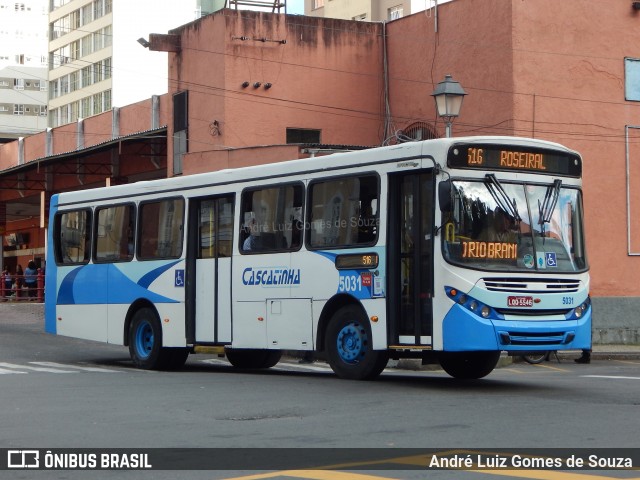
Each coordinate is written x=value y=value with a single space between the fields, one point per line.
x=334 y=304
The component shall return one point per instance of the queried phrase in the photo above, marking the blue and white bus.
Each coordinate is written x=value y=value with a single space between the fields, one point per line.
x=449 y=250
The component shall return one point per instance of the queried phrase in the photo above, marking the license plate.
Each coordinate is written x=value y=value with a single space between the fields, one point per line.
x=520 y=301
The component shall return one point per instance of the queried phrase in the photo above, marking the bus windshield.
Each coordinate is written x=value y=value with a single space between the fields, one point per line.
x=514 y=227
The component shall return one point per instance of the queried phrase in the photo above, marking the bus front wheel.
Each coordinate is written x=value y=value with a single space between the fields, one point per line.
x=145 y=344
x=469 y=365
x=349 y=346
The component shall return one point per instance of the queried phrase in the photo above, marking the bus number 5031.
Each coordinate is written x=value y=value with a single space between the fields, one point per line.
x=350 y=283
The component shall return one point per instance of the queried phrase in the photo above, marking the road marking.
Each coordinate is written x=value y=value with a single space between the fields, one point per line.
x=557 y=369
x=614 y=377
x=4 y=371
x=314 y=475
x=84 y=369
x=548 y=475
x=36 y=369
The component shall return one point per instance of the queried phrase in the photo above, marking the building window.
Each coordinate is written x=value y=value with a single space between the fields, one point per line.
x=86 y=76
x=86 y=107
x=107 y=68
x=632 y=79
x=18 y=109
x=73 y=81
x=180 y=129
x=86 y=14
x=318 y=4
x=97 y=103
x=303 y=135
x=360 y=18
x=395 y=12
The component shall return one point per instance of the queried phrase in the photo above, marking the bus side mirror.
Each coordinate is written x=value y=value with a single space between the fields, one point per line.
x=444 y=195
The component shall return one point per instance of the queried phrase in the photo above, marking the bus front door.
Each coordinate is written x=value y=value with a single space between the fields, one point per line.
x=410 y=258
x=208 y=295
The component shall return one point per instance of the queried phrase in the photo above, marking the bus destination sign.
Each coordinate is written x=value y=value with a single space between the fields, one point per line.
x=513 y=158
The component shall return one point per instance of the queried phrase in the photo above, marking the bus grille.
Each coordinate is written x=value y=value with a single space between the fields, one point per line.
x=532 y=313
x=531 y=285
x=532 y=339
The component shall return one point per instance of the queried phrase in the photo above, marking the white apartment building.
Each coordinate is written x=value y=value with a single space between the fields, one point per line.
x=364 y=10
x=95 y=60
x=370 y=10
x=23 y=68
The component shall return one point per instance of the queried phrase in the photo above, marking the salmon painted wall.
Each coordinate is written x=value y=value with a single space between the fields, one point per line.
x=569 y=81
x=327 y=76
x=473 y=44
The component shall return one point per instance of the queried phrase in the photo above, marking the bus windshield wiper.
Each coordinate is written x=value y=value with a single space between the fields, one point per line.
x=500 y=196
x=549 y=203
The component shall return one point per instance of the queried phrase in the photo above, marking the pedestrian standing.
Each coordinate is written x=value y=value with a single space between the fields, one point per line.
x=19 y=277
x=31 y=279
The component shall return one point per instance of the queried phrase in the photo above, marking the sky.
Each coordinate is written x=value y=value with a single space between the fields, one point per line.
x=295 y=7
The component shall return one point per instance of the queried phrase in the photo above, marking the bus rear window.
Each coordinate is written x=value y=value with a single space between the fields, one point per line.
x=161 y=229
x=72 y=238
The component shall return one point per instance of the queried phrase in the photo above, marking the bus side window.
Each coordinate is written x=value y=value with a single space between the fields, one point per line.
x=114 y=236
x=271 y=219
x=161 y=229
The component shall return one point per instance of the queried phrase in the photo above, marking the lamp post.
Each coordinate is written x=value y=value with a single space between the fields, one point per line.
x=448 y=95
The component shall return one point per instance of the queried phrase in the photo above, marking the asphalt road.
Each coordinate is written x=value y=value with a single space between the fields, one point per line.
x=57 y=392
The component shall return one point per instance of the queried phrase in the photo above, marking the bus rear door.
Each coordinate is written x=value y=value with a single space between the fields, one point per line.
x=208 y=277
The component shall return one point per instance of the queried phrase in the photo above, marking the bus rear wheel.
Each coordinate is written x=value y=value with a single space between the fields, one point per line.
x=350 y=348
x=469 y=365
x=253 y=359
x=145 y=344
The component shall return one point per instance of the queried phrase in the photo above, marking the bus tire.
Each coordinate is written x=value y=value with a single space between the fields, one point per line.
x=173 y=358
x=535 y=358
x=469 y=365
x=349 y=346
x=253 y=359
x=145 y=340
x=145 y=344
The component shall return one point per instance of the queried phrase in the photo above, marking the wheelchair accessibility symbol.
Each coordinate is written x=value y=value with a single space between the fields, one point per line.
x=179 y=280
x=551 y=259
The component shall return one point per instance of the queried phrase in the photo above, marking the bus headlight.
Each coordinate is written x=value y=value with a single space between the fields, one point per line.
x=579 y=311
x=471 y=304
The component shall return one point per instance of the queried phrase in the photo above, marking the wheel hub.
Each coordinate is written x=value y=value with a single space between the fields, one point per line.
x=351 y=343
x=144 y=339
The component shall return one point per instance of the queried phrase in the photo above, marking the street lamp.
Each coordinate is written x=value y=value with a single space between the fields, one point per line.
x=448 y=95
